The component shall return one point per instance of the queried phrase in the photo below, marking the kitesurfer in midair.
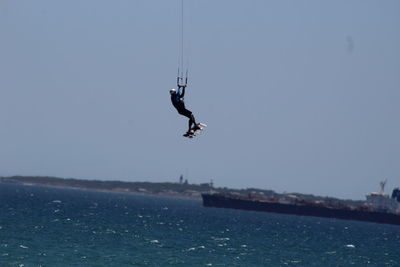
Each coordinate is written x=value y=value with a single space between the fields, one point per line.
x=177 y=99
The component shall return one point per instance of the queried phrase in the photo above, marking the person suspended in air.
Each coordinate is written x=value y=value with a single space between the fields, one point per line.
x=177 y=99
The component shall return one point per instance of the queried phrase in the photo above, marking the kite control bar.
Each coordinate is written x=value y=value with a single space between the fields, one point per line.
x=180 y=79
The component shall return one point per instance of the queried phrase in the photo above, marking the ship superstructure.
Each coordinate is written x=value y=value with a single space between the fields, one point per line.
x=379 y=201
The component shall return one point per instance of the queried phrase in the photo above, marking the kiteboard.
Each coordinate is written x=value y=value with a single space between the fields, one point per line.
x=196 y=132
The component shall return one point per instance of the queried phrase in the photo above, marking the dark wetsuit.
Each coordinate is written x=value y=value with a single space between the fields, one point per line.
x=178 y=102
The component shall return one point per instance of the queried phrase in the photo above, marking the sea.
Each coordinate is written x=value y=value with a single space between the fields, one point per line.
x=50 y=227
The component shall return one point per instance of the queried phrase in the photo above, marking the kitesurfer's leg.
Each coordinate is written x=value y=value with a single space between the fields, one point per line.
x=192 y=121
x=195 y=124
x=187 y=113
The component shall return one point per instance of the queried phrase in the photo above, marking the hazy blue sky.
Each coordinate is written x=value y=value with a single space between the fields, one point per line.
x=299 y=96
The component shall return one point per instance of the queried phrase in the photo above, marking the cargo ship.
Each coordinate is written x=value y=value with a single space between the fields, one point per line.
x=378 y=207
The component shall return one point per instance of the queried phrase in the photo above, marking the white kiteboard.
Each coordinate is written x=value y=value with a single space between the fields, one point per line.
x=196 y=132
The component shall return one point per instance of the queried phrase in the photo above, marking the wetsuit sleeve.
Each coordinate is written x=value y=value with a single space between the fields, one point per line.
x=183 y=91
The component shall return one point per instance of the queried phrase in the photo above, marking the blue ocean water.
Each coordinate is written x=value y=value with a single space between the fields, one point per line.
x=61 y=227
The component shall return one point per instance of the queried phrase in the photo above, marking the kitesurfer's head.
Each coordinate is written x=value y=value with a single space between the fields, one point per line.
x=172 y=91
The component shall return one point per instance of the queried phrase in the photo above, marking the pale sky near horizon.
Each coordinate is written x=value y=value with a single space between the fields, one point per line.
x=299 y=96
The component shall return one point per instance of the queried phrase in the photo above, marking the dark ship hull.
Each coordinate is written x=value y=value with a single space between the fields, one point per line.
x=347 y=213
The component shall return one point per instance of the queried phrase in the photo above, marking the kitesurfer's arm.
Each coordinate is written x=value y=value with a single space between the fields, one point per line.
x=182 y=87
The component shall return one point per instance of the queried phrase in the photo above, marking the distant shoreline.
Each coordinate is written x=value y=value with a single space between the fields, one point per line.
x=105 y=186
x=165 y=189
x=106 y=190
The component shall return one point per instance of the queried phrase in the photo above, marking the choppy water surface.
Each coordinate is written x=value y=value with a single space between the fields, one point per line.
x=58 y=227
